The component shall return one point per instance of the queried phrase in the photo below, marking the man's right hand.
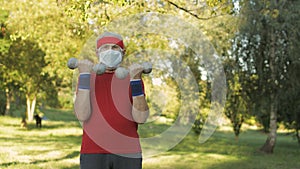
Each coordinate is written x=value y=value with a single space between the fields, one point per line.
x=85 y=66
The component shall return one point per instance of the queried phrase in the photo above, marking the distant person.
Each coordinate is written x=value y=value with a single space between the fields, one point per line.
x=38 y=120
x=23 y=123
x=110 y=109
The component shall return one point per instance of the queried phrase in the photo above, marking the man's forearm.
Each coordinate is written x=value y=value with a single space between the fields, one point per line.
x=140 y=110
x=82 y=106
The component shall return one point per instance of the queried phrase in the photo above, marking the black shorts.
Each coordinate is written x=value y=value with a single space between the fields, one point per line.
x=110 y=161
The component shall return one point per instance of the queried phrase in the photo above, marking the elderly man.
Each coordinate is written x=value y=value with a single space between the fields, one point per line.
x=110 y=109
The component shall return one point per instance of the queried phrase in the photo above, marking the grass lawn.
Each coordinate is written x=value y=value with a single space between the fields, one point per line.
x=57 y=145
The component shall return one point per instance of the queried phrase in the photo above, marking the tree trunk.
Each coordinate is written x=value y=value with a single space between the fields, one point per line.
x=8 y=99
x=30 y=107
x=298 y=136
x=269 y=145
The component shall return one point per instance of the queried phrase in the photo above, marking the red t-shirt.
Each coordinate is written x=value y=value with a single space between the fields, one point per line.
x=110 y=128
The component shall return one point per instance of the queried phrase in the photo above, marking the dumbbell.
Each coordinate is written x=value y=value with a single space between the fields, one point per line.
x=147 y=66
x=100 y=68
x=72 y=63
x=122 y=72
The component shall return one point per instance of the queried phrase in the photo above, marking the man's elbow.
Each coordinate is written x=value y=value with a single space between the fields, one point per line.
x=82 y=116
x=141 y=118
x=140 y=121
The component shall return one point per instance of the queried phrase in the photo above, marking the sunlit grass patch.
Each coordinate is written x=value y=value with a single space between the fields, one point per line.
x=191 y=160
x=55 y=145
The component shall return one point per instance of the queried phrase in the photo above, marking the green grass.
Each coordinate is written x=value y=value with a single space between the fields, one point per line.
x=57 y=146
x=222 y=151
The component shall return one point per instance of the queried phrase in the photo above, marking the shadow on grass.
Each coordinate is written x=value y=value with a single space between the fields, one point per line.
x=259 y=161
x=51 y=140
x=54 y=143
x=72 y=167
x=222 y=151
x=68 y=156
x=152 y=129
x=46 y=125
x=60 y=115
x=212 y=145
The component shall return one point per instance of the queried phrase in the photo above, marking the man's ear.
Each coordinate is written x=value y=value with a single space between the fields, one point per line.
x=97 y=52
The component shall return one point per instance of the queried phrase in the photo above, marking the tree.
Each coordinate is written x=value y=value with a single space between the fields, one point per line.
x=55 y=34
x=289 y=101
x=236 y=108
x=291 y=111
x=25 y=62
x=5 y=95
x=263 y=44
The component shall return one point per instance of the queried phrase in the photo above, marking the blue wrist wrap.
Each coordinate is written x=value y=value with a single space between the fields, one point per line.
x=84 y=81
x=136 y=88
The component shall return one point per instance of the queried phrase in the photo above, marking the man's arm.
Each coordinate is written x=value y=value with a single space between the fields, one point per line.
x=140 y=109
x=82 y=105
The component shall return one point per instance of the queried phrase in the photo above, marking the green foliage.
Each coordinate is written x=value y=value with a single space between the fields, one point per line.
x=200 y=120
x=55 y=34
x=3 y=50
x=223 y=6
x=76 y=20
x=79 y=19
x=25 y=62
x=269 y=25
x=264 y=48
x=236 y=106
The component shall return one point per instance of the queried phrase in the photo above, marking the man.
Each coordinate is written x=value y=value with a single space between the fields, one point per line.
x=110 y=109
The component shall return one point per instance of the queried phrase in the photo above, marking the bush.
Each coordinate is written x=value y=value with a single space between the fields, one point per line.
x=198 y=124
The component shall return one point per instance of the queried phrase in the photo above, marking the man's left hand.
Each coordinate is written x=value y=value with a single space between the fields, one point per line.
x=136 y=71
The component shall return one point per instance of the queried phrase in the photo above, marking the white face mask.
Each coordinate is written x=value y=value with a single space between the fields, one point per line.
x=111 y=58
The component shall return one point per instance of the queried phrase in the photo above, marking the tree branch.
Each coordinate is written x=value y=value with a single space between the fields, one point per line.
x=191 y=13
